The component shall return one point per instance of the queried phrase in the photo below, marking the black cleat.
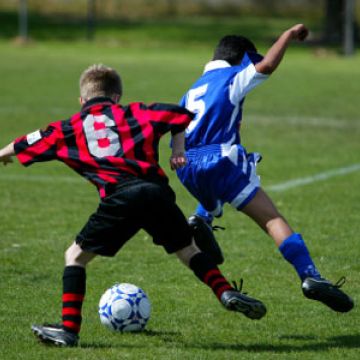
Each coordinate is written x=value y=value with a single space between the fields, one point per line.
x=236 y=301
x=205 y=239
x=55 y=334
x=328 y=293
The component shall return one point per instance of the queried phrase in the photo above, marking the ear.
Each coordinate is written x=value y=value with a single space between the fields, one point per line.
x=81 y=101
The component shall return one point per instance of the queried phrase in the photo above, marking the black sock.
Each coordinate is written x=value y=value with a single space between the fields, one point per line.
x=74 y=286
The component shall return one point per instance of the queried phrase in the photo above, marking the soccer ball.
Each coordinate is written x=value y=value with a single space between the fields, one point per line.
x=124 y=307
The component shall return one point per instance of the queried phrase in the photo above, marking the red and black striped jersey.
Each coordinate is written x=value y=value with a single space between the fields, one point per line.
x=105 y=142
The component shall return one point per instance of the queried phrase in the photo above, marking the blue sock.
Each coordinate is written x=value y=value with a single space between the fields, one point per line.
x=200 y=211
x=296 y=253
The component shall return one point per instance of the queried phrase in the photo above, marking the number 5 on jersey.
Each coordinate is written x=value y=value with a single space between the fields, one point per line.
x=195 y=104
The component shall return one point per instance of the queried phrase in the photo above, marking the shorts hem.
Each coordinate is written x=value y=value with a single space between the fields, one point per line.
x=248 y=199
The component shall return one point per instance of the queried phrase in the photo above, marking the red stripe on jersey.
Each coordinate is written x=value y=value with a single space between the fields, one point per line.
x=138 y=127
x=67 y=297
x=25 y=157
x=127 y=142
x=107 y=178
x=170 y=117
x=96 y=109
x=161 y=172
x=147 y=129
x=47 y=144
x=84 y=154
x=102 y=192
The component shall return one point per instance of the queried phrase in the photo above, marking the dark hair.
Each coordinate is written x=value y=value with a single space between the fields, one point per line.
x=232 y=48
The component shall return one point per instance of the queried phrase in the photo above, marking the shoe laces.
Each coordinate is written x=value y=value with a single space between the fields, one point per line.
x=340 y=282
x=238 y=287
x=217 y=227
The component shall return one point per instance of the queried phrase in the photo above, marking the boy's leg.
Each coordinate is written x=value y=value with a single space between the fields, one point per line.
x=291 y=245
x=74 y=287
x=200 y=224
x=206 y=270
x=262 y=210
x=201 y=179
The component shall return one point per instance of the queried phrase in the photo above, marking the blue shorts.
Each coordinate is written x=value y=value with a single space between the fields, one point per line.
x=218 y=174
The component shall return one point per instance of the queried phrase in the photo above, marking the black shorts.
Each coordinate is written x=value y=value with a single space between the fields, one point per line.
x=135 y=205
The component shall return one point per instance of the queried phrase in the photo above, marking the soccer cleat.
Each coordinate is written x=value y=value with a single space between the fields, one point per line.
x=328 y=293
x=55 y=334
x=205 y=239
x=236 y=301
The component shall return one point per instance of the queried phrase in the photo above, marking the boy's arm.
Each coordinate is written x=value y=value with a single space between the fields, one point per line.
x=6 y=153
x=178 y=159
x=275 y=54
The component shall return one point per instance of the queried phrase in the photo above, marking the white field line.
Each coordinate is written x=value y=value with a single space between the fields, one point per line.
x=330 y=123
x=314 y=178
x=323 y=122
x=276 y=187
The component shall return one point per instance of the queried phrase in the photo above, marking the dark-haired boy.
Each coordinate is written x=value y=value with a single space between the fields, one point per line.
x=220 y=170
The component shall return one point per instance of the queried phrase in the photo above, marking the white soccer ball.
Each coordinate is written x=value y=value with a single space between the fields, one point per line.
x=124 y=307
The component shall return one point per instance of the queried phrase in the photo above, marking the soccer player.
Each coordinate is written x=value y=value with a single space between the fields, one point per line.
x=220 y=170
x=116 y=148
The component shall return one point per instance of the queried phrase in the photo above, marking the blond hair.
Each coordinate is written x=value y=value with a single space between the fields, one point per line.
x=100 y=80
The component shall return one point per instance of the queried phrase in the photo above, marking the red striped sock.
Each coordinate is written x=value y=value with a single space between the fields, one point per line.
x=207 y=271
x=216 y=281
x=74 y=281
x=71 y=311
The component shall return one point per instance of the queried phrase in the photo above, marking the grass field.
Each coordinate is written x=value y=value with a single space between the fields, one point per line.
x=304 y=121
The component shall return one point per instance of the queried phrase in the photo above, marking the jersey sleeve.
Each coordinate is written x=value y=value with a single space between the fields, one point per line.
x=245 y=80
x=170 y=117
x=182 y=102
x=40 y=145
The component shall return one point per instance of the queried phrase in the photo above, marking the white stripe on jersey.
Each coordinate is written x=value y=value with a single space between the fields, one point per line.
x=245 y=81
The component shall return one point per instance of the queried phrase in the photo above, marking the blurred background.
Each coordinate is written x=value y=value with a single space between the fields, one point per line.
x=334 y=23
x=304 y=121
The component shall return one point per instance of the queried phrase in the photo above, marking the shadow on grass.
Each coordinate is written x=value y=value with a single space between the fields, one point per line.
x=110 y=345
x=166 y=336
x=342 y=342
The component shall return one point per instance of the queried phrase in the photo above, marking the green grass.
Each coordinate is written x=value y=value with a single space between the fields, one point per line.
x=304 y=121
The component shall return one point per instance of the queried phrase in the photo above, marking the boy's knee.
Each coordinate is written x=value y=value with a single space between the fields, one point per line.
x=70 y=255
x=75 y=256
x=187 y=253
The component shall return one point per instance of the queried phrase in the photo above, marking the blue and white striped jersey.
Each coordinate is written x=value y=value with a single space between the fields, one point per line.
x=217 y=98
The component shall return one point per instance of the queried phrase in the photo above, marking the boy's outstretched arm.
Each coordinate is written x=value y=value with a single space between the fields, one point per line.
x=178 y=159
x=6 y=153
x=275 y=54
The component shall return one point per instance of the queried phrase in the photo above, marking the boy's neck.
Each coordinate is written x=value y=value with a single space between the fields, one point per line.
x=97 y=100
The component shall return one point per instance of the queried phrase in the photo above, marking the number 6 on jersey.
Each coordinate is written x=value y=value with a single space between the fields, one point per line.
x=101 y=139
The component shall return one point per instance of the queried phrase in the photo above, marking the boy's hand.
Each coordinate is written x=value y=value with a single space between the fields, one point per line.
x=299 y=32
x=6 y=160
x=177 y=161
x=6 y=154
